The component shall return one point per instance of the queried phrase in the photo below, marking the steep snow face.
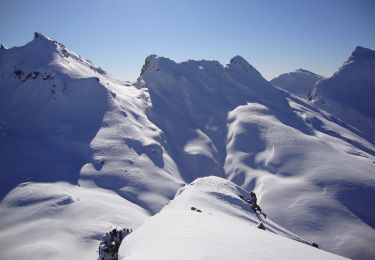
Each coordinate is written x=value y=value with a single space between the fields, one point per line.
x=299 y=82
x=75 y=144
x=349 y=93
x=306 y=166
x=208 y=220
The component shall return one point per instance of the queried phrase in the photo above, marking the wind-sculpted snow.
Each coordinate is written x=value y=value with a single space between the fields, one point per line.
x=208 y=220
x=70 y=132
x=349 y=93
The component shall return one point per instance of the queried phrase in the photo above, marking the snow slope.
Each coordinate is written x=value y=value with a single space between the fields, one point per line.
x=61 y=221
x=81 y=151
x=349 y=93
x=299 y=82
x=208 y=220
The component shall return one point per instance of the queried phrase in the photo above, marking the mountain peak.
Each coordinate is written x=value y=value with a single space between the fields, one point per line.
x=240 y=62
x=362 y=53
x=44 y=43
x=148 y=61
x=304 y=71
x=299 y=82
x=40 y=36
x=44 y=40
x=150 y=58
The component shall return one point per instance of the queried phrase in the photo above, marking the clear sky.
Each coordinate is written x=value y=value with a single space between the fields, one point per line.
x=275 y=36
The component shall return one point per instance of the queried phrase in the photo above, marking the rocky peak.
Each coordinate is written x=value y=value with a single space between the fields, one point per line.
x=361 y=53
x=148 y=61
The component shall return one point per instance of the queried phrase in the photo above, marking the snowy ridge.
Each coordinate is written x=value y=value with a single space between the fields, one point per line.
x=208 y=220
x=76 y=144
x=349 y=92
x=44 y=50
x=299 y=82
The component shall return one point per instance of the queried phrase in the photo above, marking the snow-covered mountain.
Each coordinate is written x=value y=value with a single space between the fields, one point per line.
x=77 y=154
x=208 y=220
x=299 y=82
x=235 y=122
x=349 y=93
x=81 y=151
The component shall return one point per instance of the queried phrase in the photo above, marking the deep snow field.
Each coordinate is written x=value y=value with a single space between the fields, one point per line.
x=82 y=152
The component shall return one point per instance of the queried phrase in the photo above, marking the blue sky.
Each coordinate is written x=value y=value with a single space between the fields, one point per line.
x=275 y=36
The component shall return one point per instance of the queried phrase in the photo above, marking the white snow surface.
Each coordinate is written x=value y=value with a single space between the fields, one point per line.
x=81 y=152
x=208 y=220
x=349 y=93
x=61 y=221
x=299 y=82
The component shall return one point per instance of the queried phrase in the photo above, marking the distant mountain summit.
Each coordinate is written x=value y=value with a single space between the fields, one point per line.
x=349 y=93
x=299 y=82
